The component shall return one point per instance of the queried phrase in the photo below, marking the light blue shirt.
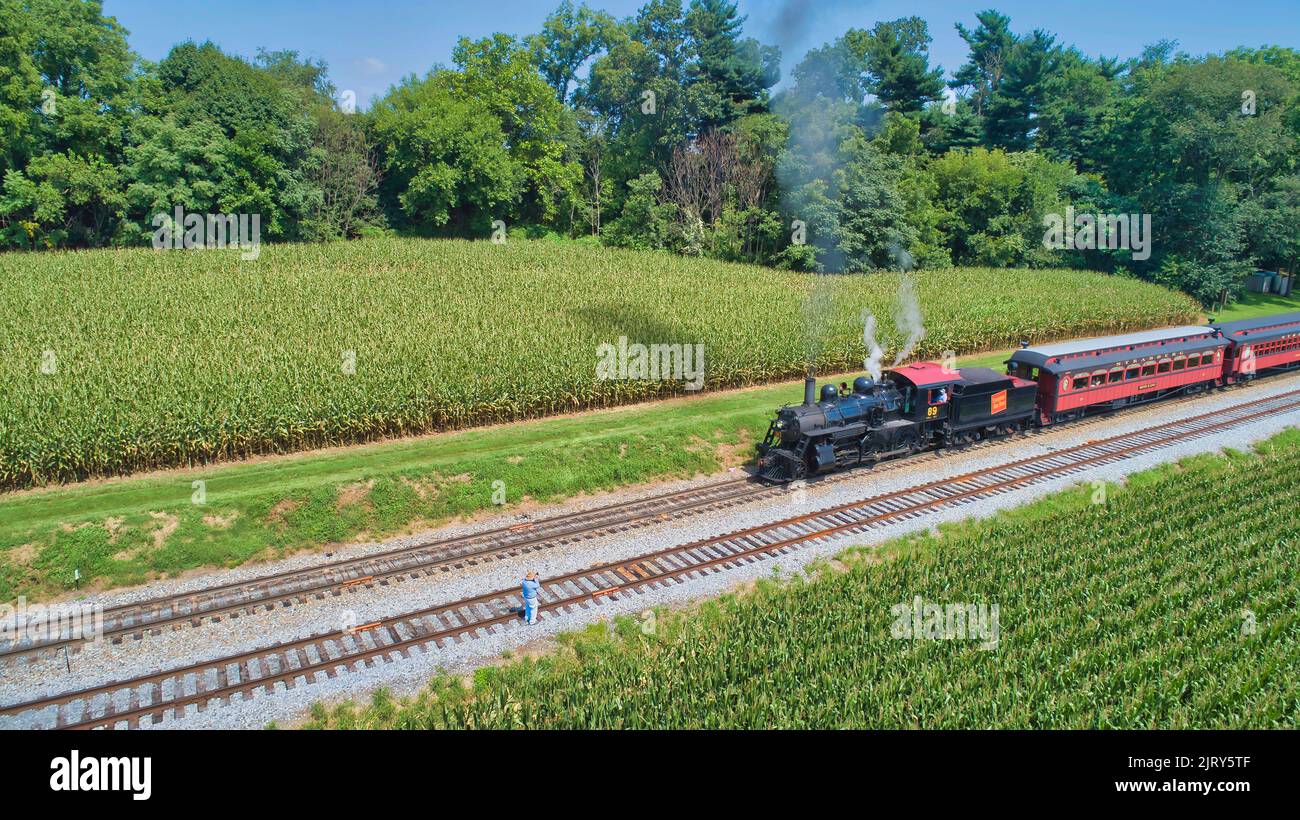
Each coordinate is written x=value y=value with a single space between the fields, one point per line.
x=530 y=588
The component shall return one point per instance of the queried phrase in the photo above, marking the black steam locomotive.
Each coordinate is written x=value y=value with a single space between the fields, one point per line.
x=909 y=409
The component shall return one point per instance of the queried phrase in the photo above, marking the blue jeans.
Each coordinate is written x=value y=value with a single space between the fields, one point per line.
x=530 y=610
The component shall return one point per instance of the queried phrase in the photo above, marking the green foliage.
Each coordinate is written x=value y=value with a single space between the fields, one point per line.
x=895 y=56
x=990 y=45
x=677 y=73
x=488 y=141
x=499 y=75
x=730 y=74
x=873 y=232
x=1018 y=98
x=990 y=205
x=1072 y=110
x=569 y=37
x=1183 y=150
x=564 y=131
x=345 y=171
x=167 y=163
x=61 y=199
x=445 y=158
x=645 y=223
x=262 y=167
x=20 y=88
x=64 y=96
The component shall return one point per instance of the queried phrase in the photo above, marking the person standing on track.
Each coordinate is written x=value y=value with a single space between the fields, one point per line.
x=530 y=587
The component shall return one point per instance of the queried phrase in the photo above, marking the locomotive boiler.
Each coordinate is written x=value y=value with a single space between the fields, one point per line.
x=833 y=430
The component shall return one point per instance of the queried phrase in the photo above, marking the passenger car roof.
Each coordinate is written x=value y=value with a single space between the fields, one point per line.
x=1261 y=328
x=1126 y=346
x=1108 y=360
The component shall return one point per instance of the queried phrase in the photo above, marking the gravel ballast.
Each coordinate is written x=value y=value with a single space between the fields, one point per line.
x=102 y=663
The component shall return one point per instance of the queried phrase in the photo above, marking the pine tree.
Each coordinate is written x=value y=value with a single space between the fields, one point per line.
x=990 y=45
x=895 y=56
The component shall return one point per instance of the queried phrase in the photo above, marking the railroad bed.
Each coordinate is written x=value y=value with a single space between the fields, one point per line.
x=296 y=587
x=153 y=697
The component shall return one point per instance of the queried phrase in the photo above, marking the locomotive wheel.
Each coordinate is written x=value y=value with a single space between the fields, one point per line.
x=909 y=441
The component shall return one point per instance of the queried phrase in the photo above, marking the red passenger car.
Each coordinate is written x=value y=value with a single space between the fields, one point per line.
x=1258 y=345
x=1088 y=375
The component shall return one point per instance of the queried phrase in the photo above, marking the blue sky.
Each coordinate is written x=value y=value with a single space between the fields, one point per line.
x=369 y=45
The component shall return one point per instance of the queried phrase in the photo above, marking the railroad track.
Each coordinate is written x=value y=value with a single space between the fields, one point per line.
x=154 y=696
x=300 y=586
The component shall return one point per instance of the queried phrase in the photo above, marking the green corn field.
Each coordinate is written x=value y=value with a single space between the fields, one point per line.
x=126 y=360
x=1170 y=605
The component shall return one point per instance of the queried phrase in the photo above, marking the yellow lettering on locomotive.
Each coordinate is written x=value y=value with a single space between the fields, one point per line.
x=933 y=412
x=998 y=404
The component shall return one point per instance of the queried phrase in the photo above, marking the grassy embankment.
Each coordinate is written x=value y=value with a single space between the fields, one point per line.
x=1171 y=605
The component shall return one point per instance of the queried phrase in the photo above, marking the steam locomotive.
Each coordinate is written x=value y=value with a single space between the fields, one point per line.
x=926 y=405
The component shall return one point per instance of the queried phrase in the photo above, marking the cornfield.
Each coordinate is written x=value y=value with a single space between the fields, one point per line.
x=1172 y=605
x=128 y=360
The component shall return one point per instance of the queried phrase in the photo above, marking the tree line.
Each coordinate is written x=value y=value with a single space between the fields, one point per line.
x=665 y=131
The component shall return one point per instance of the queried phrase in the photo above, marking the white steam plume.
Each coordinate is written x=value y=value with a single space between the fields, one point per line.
x=875 y=355
x=907 y=317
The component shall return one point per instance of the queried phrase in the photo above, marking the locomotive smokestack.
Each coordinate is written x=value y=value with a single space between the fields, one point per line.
x=809 y=391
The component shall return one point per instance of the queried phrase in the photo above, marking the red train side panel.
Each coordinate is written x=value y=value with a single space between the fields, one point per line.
x=1267 y=343
x=1114 y=371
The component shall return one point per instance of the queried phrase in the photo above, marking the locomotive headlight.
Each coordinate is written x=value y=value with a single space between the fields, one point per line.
x=780 y=425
